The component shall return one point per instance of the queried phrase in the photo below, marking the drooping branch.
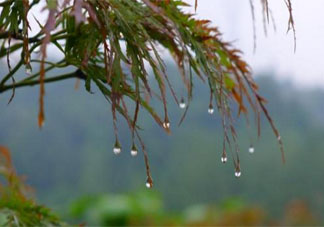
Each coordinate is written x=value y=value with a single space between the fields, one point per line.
x=25 y=83
x=18 y=36
x=114 y=43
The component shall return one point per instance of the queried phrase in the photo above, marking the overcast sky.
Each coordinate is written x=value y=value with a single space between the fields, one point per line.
x=276 y=51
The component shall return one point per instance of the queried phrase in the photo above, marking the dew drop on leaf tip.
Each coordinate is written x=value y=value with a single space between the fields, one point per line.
x=166 y=125
x=117 y=150
x=237 y=173
x=42 y=123
x=224 y=159
x=148 y=184
x=133 y=152
x=117 y=147
x=182 y=104
x=28 y=71
x=210 y=110
x=251 y=149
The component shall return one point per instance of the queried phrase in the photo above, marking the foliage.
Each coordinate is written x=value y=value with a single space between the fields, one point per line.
x=114 y=43
x=145 y=209
x=15 y=208
x=119 y=210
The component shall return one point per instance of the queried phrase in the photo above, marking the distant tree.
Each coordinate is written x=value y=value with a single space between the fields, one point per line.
x=114 y=43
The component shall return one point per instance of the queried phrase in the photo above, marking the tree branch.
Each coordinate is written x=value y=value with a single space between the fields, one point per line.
x=52 y=66
x=19 y=36
x=20 y=63
x=77 y=74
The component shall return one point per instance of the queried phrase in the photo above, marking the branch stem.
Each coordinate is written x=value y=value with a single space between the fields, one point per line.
x=75 y=74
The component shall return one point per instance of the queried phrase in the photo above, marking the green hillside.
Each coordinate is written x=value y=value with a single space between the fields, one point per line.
x=72 y=155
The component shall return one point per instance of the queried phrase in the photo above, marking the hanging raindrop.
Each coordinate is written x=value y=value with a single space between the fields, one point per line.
x=211 y=109
x=28 y=71
x=251 y=149
x=133 y=153
x=224 y=156
x=182 y=104
x=42 y=123
x=166 y=124
x=134 y=150
x=149 y=183
x=238 y=171
x=117 y=148
x=224 y=159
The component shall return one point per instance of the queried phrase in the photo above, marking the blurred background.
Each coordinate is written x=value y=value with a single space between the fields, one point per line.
x=73 y=170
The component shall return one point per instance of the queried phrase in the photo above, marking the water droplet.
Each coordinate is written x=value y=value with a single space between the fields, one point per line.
x=224 y=159
x=28 y=71
x=224 y=156
x=166 y=125
x=148 y=185
x=42 y=123
x=238 y=173
x=251 y=149
x=117 y=148
x=134 y=151
x=279 y=138
x=182 y=104
x=210 y=109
